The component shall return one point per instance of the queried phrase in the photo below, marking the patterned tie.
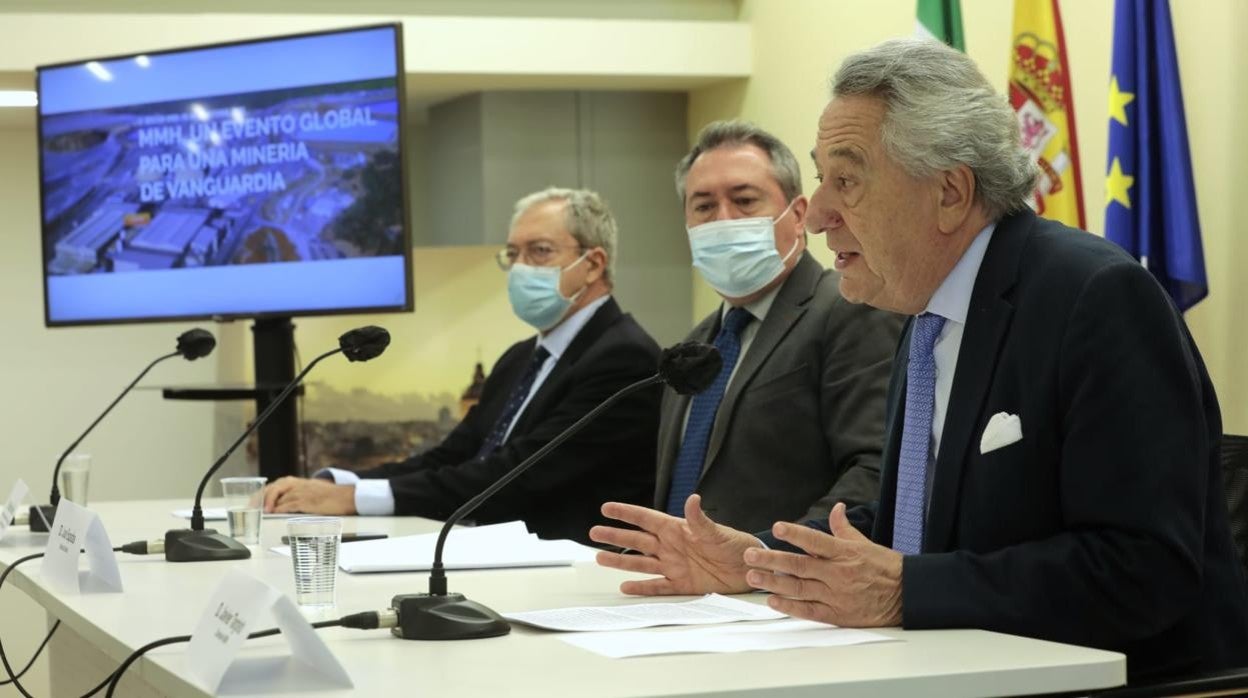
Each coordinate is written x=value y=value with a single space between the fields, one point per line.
x=702 y=414
x=916 y=436
x=518 y=395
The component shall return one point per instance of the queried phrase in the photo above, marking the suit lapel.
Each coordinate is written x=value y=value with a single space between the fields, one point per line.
x=788 y=308
x=675 y=407
x=894 y=416
x=603 y=318
x=987 y=321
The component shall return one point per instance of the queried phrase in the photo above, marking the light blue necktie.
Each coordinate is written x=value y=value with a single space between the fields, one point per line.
x=916 y=436
x=702 y=414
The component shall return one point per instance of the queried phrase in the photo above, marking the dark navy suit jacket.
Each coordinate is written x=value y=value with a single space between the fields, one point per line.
x=612 y=459
x=1105 y=526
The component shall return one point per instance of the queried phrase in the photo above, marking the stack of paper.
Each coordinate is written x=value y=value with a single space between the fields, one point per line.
x=779 y=635
x=708 y=610
x=483 y=547
x=218 y=514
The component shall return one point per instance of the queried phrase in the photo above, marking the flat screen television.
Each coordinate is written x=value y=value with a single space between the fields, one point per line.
x=254 y=179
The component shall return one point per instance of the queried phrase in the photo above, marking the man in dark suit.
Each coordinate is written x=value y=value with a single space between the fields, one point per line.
x=559 y=261
x=796 y=422
x=1051 y=468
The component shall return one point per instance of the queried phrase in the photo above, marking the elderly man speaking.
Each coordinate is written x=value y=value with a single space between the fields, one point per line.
x=1051 y=463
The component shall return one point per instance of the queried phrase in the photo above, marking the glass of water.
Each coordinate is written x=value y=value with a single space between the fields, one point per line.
x=75 y=475
x=314 y=554
x=244 y=498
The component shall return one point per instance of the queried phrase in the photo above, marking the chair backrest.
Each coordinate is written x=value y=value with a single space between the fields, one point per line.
x=1235 y=481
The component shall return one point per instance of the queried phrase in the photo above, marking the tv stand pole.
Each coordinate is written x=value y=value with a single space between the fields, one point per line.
x=274 y=353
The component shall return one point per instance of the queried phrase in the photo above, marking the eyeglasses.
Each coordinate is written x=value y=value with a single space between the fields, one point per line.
x=538 y=254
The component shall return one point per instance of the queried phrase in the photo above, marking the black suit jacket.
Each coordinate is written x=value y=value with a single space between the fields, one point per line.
x=1105 y=525
x=611 y=459
x=801 y=425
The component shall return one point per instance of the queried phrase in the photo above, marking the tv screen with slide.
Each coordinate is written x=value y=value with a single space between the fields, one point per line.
x=251 y=179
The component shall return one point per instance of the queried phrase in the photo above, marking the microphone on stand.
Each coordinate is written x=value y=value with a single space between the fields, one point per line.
x=192 y=344
x=689 y=368
x=195 y=544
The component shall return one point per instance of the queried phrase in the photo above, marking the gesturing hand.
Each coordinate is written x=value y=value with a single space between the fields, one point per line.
x=693 y=555
x=845 y=579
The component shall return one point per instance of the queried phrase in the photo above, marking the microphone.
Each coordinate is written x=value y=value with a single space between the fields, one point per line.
x=688 y=368
x=195 y=544
x=192 y=344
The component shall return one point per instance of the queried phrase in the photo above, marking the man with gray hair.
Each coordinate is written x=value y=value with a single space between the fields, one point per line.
x=1052 y=461
x=559 y=258
x=795 y=422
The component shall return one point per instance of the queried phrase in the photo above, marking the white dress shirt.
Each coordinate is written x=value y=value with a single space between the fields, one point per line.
x=374 y=496
x=951 y=301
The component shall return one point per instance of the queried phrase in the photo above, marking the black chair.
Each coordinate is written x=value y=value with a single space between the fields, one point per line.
x=1231 y=682
x=1235 y=479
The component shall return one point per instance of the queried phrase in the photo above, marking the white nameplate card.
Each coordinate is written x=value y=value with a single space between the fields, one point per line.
x=242 y=605
x=9 y=512
x=74 y=530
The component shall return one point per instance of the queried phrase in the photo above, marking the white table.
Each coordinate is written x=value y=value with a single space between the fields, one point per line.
x=163 y=599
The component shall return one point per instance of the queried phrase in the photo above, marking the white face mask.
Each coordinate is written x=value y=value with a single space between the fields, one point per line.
x=737 y=256
x=535 y=297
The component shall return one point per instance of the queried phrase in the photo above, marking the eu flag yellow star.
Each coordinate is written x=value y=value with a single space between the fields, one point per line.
x=1118 y=101
x=1117 y=185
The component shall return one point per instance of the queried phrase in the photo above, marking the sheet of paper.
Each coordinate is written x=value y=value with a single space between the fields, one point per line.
x=780 y=635
x=483 y=547
x=9 y=511
x=73 y=530
x=708 y=610
x=218 y=514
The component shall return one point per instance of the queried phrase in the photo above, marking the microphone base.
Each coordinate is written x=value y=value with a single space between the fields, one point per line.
x=186 y=545
x=40 y=513
x=449 y=617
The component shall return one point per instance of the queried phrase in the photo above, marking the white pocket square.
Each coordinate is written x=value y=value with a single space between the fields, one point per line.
x=1003 y=429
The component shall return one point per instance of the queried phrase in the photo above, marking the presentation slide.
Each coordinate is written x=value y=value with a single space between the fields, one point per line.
x=194 y=183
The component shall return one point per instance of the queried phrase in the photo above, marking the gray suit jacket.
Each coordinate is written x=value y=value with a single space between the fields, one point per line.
x=801 y=425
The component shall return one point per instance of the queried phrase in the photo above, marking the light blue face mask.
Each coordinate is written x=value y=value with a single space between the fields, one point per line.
x=738 y=256
x=535 y=296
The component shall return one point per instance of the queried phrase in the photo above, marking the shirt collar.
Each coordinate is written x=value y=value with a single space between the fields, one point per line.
x=953 y=299
x=758 y=308
x=557 y=340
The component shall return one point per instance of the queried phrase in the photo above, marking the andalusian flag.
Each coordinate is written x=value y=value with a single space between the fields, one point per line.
x=941 y=20
x=1040 y=94
x=1150 y=207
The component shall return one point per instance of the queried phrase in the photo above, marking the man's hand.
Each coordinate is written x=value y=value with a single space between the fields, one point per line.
x=295 y=494
x=845 y=580
x=693 y=555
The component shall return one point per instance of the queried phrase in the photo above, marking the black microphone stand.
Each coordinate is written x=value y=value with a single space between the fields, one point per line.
x=41 y=516
x=442 y=616
x=195 y=544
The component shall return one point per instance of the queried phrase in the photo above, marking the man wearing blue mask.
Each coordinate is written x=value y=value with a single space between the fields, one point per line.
x=559 y=262
x=795 y=421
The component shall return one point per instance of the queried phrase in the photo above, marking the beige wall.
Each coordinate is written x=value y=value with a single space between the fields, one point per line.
x=798 y=43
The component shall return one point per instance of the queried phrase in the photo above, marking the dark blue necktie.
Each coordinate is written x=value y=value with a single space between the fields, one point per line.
x=916 y=436
x=702 y=414
x=518 y=395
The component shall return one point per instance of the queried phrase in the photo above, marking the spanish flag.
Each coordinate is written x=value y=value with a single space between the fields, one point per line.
x=1041 y=97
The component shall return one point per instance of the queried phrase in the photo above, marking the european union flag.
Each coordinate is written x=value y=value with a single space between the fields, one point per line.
x=1150 y=207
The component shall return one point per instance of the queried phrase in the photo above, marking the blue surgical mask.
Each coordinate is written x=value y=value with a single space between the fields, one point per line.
x=535 y=296
x=737 y=256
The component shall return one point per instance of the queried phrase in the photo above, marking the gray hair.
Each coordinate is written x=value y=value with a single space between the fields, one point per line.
x=589 y=220
x=717 y=134
x=941 y=112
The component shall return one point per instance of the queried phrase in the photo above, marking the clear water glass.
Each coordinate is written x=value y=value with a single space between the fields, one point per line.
x=75 y=476
x=244 y=498
x=314 y=544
